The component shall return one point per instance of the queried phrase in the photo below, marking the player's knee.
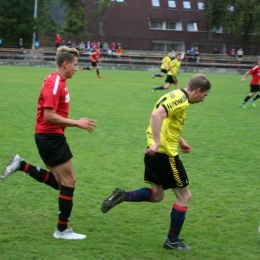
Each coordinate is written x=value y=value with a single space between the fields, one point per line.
x=158 y=197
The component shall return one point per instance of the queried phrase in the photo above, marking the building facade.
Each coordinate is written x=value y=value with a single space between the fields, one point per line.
x=158 y=25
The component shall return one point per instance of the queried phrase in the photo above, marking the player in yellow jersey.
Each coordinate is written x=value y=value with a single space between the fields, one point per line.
x=163 y=168
x=173 y=70
x=164 y=67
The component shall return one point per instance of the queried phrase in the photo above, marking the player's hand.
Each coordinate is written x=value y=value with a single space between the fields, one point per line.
x=88 y=124
x=185 y=148
x=152 y=150
x=243 y=79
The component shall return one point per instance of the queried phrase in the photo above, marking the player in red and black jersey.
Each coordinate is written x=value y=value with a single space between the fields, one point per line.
x=52 y=119
x=94 y=56
x=254 y=85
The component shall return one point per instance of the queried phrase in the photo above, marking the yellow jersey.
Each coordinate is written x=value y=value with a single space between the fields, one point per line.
x=165 y=62
x=176 y=104
x=175 y=65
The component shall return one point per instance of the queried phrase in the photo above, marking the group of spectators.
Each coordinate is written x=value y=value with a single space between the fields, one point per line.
x=236 y=54
x=193 y=55
x=88 y=47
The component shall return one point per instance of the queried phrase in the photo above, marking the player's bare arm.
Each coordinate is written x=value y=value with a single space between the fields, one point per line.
x=156 y=123
x=50 y=116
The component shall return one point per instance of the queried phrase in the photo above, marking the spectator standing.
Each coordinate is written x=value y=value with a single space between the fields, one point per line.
x=21 y=43
x=57 y=41
x=240 y=54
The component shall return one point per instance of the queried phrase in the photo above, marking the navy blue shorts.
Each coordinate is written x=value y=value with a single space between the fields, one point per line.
x=165 y=171
x=53 y=149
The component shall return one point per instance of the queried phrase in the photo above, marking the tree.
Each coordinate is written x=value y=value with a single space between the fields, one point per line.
x=103 y=6
x=75 y=23
x=16 y=21
x=238 y=17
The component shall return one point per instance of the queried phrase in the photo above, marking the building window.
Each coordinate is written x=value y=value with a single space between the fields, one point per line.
x=200 y=6
x=171 y=4
x=170 y=26
x=156 y=3
x=156 y=25
x=192 y=27
x=186 y=5
x=166 y=25
x=217 y=30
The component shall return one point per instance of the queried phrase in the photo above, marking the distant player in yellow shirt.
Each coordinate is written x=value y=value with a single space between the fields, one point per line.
x=173 y=70
x=164 y=67
x=163 y=168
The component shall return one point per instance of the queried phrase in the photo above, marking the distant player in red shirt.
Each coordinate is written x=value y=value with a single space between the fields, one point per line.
x=254 y=85
x=52 y=119
x=94 y=56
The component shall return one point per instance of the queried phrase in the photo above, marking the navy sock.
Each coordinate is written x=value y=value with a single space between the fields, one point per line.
x=65 y=207
x=143 y=194
x=177 y=219
x=97 y=72
x=39 y=174
x=158 y=75
x=159 y=88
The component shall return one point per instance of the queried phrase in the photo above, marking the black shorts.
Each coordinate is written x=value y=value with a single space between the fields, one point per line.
x=164 y=71
x=94 y=64
x=171 y=79
x=165 y=171
x=254 y=88
x=53 y=149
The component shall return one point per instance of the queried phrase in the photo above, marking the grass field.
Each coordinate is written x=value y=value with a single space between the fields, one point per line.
x=223 y=215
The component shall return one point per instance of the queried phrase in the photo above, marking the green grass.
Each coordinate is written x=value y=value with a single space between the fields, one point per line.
x=223 y=215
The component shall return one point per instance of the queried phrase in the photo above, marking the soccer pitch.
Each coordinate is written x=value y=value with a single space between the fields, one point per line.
x=223 y=215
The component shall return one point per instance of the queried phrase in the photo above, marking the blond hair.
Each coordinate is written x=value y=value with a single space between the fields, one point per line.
x=65 y=53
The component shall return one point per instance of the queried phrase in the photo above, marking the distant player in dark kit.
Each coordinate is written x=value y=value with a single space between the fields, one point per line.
x=163 y=168
x=94 y=56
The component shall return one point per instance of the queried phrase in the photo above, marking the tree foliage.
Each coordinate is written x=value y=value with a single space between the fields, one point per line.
x=103 y=7
x=16 y=21
x=75 y=23
x=240 y=18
